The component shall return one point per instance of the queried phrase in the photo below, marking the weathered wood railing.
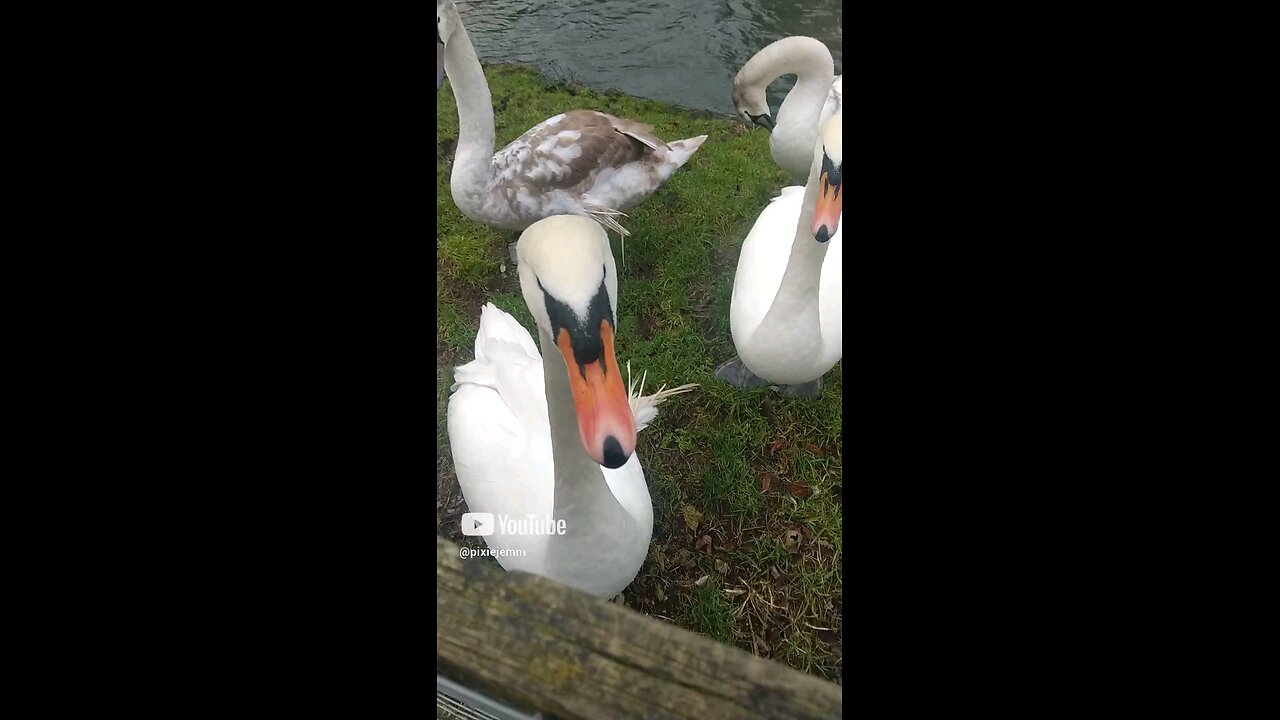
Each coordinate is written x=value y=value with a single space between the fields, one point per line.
x=543 y=647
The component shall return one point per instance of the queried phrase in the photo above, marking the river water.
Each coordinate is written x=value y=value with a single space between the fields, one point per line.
x=681 y=51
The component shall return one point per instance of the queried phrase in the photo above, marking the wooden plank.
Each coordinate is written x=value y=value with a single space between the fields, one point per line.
x=544 y=647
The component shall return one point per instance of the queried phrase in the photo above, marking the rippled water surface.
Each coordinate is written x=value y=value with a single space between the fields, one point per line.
x=681 y=51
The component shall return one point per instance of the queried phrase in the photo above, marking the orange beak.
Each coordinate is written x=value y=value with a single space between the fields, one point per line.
x=605 y=422
x=826 y=218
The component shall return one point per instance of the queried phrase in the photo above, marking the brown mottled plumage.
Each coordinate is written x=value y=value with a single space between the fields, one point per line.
x=582 y=162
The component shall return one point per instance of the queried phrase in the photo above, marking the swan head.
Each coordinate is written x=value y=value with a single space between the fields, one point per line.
x=826 y=217
x=749 y=99
x=570 y=284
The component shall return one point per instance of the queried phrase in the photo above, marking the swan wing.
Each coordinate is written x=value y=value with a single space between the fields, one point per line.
x=499 y=433
x=585 y=163
x=644 y=408
x=762 y=261
x=567 y=151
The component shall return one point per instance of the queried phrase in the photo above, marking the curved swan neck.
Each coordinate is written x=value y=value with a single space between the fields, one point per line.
x=796 y=126
x=806 y=58
x=582 y=498
x=473 y=157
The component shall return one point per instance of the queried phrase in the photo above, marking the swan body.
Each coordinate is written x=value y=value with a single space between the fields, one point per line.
x=785 y=311
x=582 y=162
x=532 y=438
x=762 y=263
x=816 y=97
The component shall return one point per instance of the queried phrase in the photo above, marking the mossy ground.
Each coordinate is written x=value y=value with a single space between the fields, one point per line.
x=746 y=487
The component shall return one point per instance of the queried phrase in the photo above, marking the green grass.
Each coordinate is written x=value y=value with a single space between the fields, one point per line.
x=709 y=451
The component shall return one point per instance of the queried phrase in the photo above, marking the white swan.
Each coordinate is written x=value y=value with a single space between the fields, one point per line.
x=785 y=311
x=530 y=432
x=814 y=99
x=581 y=162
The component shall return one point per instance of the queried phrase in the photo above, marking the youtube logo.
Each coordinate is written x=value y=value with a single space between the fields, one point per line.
x=477 y=524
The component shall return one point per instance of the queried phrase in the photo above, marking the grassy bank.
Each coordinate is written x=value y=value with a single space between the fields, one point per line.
x=746 y=487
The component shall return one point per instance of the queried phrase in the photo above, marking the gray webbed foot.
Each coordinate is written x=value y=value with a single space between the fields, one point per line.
x=737 y=375
x=804 y=390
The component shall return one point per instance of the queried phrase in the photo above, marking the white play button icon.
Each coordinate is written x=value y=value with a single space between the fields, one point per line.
x=477 y=523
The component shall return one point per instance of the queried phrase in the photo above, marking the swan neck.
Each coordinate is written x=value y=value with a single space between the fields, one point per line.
x=582 y=498
x=794 y=318
x=804 y=265
x=473 y=157
x=810 y=61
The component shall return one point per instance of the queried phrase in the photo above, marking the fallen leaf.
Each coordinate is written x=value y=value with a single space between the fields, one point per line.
x=766 y=481
x=813 y=448
x=692 y=517
x=776 y=446
x=701 y=581
x=791 y=541
x=798 y=489
x=722 y=567
x=703 y=542
x=684 y=557
x=661 y=595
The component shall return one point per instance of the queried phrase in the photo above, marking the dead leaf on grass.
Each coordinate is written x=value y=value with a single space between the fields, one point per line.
x=691 y=516
x=798 y=489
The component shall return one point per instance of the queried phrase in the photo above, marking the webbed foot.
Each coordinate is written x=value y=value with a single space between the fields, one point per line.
x=736 y=374
x=804 y=390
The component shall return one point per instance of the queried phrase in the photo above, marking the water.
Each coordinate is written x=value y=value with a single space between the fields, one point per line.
x=681 y=51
